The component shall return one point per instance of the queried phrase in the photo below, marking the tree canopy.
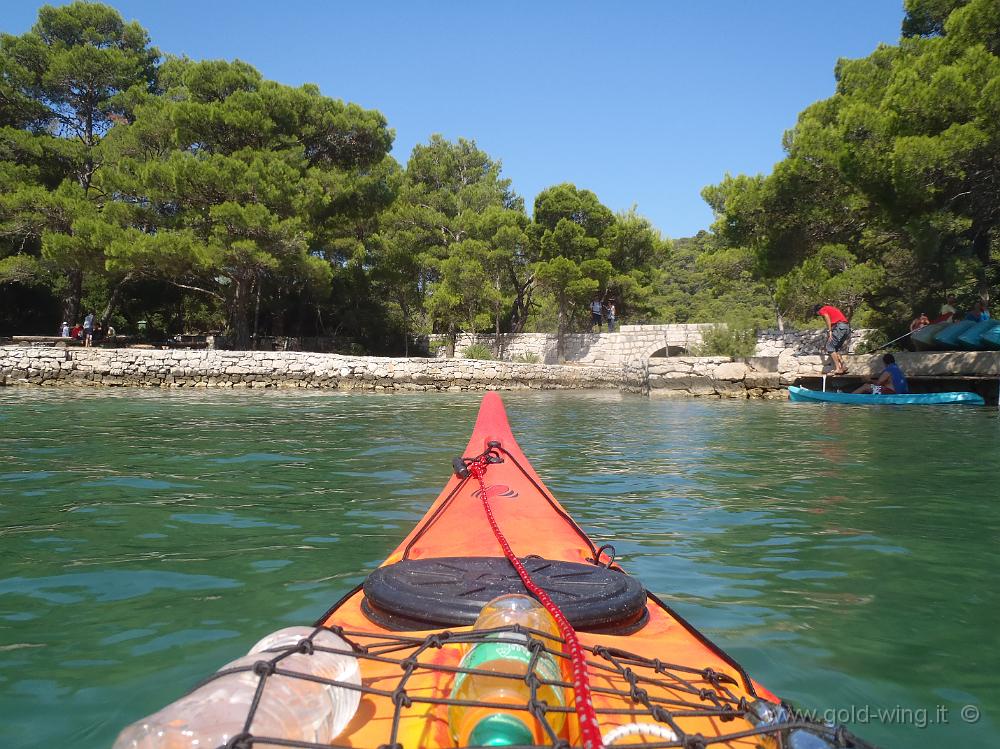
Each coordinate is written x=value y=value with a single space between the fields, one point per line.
x=199 y=196
x=888 y=197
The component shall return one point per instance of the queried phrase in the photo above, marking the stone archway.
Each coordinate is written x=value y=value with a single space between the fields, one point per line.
x=652 y=349
x=666 y=351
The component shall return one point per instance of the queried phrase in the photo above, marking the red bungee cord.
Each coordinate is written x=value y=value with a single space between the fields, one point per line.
x=590 y=731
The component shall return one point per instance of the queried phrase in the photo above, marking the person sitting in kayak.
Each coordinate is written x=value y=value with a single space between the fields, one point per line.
x=892 y=381
x=838 y=333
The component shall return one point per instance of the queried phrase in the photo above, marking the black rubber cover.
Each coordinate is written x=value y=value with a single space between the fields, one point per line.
x=450 y=591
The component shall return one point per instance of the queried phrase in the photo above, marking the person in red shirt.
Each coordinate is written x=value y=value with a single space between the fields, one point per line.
x=838 y=334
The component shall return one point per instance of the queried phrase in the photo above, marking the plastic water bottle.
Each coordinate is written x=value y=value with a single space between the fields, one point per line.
x=289 y=708
x=497 y=726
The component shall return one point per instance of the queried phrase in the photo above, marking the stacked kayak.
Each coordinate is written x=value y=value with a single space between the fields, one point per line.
x=964 y=335
x=798 y=394
x=978 y=336
x=947 y=339
x=991 y=337
x=653 y=678
x=923 y=338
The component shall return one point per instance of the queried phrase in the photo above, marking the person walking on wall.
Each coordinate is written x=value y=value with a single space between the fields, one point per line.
x=838 y=333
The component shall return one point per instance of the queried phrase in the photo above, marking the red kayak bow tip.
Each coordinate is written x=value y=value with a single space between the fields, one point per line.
x=491 y=425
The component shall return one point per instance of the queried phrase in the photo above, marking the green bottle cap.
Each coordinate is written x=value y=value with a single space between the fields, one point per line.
x=501 y=730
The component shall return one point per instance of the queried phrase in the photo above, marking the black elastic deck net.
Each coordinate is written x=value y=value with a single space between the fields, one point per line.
x=695 y=693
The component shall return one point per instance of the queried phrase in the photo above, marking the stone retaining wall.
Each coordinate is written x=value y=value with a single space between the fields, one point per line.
x=715 y=376
x=630 y=344
x=200 y=368
x=633 y=344
x=755 y=377
x=803 y=342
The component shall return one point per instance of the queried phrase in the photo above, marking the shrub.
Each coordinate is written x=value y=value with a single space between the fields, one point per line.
x=477 y=351
x=865 y=347
x=527 y=358
x=728 y=340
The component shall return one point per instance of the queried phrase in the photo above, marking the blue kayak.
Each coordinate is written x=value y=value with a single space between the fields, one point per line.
x=974 y=337
x=798 y=394
x=923 y=338
x=947 y=338
x=991 y=338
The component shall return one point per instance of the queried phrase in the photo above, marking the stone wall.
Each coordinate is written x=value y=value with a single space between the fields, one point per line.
x=204 y=368
x=633 y=344
x=803 y=342
x=754 y=377
x=630 y=344
x=716 y=376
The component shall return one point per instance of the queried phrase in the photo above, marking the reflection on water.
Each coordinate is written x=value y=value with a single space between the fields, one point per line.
x=845 y=555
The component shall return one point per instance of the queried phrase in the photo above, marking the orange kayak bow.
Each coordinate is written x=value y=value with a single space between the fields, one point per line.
x=655 y=680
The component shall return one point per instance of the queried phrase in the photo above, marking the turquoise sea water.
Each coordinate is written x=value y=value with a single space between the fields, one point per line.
x=847 y=556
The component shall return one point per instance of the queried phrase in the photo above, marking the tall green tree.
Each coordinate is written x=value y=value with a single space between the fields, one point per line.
x=452 y=193
x=229 y=182
x=63 y=85
x=571 y=262
x=900 y=168
x=636 y=252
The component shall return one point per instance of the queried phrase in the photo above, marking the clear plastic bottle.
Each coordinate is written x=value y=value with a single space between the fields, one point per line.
x=482 y=726
x=289 y=708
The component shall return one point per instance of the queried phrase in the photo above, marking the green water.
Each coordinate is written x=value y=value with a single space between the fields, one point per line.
x=846 y=556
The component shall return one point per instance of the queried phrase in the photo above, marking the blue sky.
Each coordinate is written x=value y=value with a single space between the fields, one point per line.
x=642 y=102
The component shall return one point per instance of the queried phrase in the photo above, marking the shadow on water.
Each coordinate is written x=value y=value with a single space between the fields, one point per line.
x=845 y=555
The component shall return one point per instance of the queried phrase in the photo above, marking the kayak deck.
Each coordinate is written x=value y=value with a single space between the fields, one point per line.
x=642 y=675
x=407 y=680
x=661 y=672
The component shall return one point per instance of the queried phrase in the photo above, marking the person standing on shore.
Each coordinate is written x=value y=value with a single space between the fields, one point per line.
x=88 y=330
x=948 y=309
x=920 y=321
x=609 y=313
x=978 y=313
x=838 y=334
x=596 y=314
